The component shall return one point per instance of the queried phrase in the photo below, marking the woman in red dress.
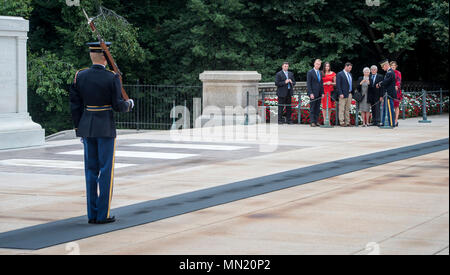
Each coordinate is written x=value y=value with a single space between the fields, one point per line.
x=398 y=88
x=329 y=81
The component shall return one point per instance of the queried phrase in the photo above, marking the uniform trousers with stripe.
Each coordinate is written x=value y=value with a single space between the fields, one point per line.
x=388 y=107
x=99 y=171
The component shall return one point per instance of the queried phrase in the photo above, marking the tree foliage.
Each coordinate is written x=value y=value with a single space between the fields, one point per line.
x=49 y=77
x=20 y=8
x=172 y=42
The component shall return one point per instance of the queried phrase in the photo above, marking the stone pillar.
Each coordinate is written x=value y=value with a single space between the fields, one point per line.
x=227 y=90
x=16 y=127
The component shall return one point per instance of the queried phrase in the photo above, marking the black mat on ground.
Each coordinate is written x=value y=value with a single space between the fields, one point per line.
x=68 y=230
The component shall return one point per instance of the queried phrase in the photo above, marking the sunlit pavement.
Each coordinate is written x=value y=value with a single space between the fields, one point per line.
x=396 y=208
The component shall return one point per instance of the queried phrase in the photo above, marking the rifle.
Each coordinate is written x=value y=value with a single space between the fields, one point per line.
x=111 y=63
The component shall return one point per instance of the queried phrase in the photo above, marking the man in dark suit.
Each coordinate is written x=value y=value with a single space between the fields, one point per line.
x=94 y=95
x=344 y=88
x=314 y=83
x=388 y=86
x=285 y=82
x=375 y=94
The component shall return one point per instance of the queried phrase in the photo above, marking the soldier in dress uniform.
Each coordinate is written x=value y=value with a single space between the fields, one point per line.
x=94 y=95
x=388 y=85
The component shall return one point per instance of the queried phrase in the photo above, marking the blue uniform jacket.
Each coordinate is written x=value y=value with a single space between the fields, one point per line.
x=94 y=95
x=388 y=84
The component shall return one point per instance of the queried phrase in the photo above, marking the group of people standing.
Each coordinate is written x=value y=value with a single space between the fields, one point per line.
x=326 y=88
x=371 y=87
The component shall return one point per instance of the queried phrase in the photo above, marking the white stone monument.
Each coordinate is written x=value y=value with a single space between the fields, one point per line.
x=16 y=127
x=223 y=90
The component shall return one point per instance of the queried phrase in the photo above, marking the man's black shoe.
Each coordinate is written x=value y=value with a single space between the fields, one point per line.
x=92 y=221
x=108 y=220
x=313 y=125
x=281 y=122
x=290 y=122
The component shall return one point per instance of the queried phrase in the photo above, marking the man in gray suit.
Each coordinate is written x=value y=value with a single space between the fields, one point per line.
x=375 y=94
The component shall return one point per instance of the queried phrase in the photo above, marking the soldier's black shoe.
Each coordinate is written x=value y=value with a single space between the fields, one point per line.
x=108 y=220
x=92 y=221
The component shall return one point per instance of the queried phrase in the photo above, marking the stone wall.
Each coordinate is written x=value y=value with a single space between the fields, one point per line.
x=16 y=127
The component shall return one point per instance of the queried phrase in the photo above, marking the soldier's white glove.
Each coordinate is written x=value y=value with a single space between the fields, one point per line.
x=131 y=103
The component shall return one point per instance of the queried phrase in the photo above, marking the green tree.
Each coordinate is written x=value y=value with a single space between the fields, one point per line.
x=307 y=30
x=21 y=8
x=49 y=78
x=125 y=48
x=172 y=42
x=213 y=35
x=53 y=61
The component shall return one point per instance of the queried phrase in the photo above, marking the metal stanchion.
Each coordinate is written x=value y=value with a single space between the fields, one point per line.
x=299 y=116
x=386 y=124
x=197 y=109
x=136 y=106
x=263 y=97
x=246 y=112
x=380 y=115
x=174 y=121
x=263 y=102
x=326 y=124
x=185 y=126
x=336 y=104
x=403 y=109
x=424 y=110
x=357 y=115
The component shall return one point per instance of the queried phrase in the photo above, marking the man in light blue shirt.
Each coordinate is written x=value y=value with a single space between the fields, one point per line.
x=344 y=87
